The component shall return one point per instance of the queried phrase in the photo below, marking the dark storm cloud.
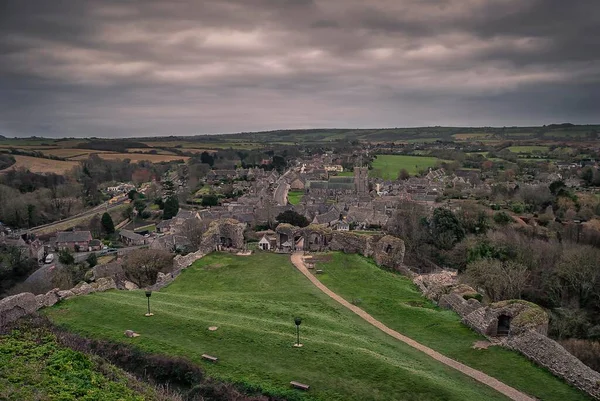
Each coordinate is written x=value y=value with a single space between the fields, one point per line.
x=112 y=68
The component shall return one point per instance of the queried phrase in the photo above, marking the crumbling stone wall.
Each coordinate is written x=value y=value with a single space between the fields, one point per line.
x=286 y=232
x=459 y=304
x=13 y=307
x=230 y=229
x=183 y=261
x=16 y=306
x=524 y=316
x=349 y=242
x=527 y=333
x=316 y=238
x=389 y=251
x=548 y=353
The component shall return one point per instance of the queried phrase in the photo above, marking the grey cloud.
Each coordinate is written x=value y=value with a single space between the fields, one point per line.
x=110 y=68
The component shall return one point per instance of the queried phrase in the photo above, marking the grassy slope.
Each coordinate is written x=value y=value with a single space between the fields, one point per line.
x=253 y=301
x=388 y=166
x=395 y=301
x=34 y=367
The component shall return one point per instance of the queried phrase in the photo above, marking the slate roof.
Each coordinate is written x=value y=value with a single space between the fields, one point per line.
x=165 y=224
x=327 y=218
x=343 y=180
x=131 y=235
x=185 y=214
x=73 y=236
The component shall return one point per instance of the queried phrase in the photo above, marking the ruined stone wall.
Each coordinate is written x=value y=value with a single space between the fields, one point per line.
x=528 y=328
x=548 y=353
x=317 y=238
x=223 y=228
x=389 y=252
x=13 y=307
x=457 y=303
x=16 y=306
x=183 y=261
x=348 y=242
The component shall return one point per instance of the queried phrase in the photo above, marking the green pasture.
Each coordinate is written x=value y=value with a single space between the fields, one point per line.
x=388 y=166
x=294 y=197
x=529 y=149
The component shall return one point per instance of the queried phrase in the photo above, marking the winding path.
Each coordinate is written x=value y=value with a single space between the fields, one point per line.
x=513 y=394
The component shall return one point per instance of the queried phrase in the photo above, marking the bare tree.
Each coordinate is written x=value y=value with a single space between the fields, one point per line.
x=143 y=265
x=193 y=229
x=500 y=280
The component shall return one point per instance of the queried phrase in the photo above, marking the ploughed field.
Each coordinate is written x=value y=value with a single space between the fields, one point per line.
x=253 y=301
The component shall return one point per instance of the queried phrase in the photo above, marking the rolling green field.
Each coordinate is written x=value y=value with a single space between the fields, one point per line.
x=294 y=197
x=33 y=366
x=253 y=300
x=388 y=166
x=394 y=300
x=528 y=149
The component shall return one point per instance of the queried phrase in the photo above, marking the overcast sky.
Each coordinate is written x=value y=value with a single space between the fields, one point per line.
x=115 y=68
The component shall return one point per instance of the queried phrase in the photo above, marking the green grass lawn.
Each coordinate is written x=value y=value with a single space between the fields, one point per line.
x=388 y=166
x=345 y=174
x=397 y=302
x=529 y=149
x=294 y=197
x=253 y=301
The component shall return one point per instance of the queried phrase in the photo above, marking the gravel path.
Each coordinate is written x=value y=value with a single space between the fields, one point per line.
x=513 y=394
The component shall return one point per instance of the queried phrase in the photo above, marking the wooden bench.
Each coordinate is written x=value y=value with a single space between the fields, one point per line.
x=319 y=271
x=210 y=358
x=300 y=386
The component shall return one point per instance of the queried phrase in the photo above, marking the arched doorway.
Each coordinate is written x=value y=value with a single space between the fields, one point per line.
x=503 y=325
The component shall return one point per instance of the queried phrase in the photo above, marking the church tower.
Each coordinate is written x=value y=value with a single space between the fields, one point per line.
x=361 y=180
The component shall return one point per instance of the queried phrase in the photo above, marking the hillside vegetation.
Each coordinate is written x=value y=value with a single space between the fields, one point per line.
x=253 y=301
x=33 y=366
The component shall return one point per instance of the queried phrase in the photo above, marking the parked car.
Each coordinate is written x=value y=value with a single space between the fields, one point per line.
x=49 y=258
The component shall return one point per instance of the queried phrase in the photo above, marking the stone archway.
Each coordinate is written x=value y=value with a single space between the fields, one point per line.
x=503 y=327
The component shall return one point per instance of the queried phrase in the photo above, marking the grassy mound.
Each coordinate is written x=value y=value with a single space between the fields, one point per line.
x=395 y=301
x=253 y=300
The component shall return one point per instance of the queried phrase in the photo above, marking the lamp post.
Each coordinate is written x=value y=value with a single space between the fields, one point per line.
x=148 y=295
x=298 y=321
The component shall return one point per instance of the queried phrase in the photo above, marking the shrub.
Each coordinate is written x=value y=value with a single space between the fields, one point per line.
x=502 y=218
x=477 y=296
x=66 y=257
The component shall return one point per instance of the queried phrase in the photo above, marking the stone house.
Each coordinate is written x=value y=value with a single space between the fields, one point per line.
x=73 y=240
x=164 y=226
x=130 y=238
x=267 y=243
x=341 y=225
x=95 y=245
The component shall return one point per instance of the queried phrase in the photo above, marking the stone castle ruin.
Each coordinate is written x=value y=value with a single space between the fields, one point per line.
x=222 y=235
x=515 y=324
x=386 y=250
